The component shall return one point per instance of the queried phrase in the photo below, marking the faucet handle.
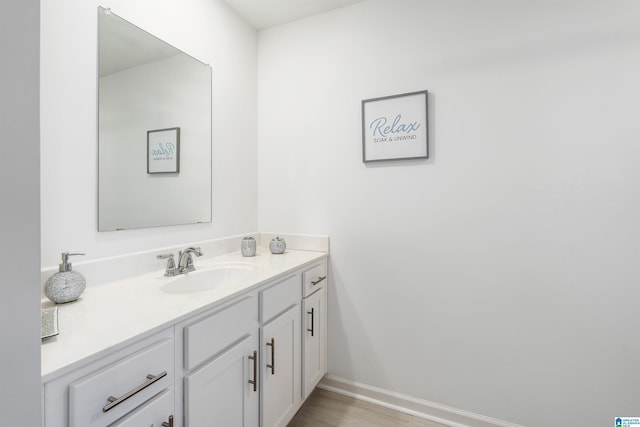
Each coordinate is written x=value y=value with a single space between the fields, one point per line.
x=171 y=264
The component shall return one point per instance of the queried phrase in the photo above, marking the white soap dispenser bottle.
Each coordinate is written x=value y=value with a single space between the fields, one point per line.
x=66 y=285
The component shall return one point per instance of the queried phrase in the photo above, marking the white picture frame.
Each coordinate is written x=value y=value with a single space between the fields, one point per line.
x=395 y=127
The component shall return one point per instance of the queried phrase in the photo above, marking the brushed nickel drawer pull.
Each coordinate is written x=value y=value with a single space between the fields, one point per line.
x=168 y=424
x=273 y=356
x=312 y=316
x=115 y=401
x=320 y=279
x=254 y=381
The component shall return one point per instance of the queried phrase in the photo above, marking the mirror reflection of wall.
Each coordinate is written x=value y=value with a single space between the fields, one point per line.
x=145 y=84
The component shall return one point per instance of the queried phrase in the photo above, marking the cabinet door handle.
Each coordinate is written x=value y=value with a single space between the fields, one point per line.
x=312 y=316
x=273 y=356
x=320 y=279
x=168 y=424
x=115 y=401
x=254 y=381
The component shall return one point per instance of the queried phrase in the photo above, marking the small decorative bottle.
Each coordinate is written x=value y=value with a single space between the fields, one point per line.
x=277 y=246
x=66 y=285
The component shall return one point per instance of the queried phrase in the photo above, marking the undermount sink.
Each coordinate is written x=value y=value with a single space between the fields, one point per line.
x=208 y=278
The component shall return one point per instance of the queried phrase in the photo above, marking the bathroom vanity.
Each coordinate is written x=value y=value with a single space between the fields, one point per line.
x=143 y=351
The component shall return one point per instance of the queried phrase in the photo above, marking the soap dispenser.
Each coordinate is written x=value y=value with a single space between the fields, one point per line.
x=66 y=285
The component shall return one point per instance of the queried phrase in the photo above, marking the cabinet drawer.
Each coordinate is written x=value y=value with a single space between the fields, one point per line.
x=105 y=396
x=207 y=337
x=151 y=414
x=279 y=297
x=314 y=278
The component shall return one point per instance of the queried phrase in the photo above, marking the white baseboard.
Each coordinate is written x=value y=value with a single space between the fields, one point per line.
x=431 y=411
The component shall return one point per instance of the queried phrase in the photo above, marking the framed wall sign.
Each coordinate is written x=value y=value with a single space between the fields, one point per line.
x=163 y=150
x=395 y=127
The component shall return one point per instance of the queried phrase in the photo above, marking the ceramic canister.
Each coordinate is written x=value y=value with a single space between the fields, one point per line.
x=248 y=246
x=277 y=246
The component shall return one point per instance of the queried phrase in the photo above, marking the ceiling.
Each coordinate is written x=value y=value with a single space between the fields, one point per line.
x=268 y=13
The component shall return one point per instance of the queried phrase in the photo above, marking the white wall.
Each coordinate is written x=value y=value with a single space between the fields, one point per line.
x=206 y=29
x=501 y=275
x=20 y=391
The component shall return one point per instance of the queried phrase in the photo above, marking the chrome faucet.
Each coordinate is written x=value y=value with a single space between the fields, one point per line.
x=185 y=259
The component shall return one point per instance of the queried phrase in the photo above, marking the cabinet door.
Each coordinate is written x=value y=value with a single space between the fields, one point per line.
x=222 y=393
x=281 y=354
x=314 y=341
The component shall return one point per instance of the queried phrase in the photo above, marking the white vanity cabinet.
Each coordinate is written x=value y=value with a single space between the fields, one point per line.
x=248 y=359
x=224 y=391
x=281 y=352
x=242 y=362
x=314 y=327
x=281 y=397
x=220 y=365
x=129 y=385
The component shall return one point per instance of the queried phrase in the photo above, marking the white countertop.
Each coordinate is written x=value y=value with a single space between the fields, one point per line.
x=110 y=316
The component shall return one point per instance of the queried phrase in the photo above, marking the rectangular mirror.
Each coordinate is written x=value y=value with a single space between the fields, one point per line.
x=154 y=130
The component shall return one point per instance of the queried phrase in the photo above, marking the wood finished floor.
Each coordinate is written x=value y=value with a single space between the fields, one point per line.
x=327 y=409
